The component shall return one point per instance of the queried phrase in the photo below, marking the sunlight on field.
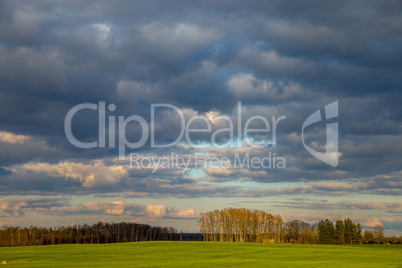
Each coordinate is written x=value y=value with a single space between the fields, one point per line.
x=203 y=254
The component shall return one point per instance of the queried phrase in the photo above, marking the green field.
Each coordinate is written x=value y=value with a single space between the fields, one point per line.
x=203 y=254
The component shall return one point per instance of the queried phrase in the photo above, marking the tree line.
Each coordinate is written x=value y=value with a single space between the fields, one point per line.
x=97 y=233
x=228 y=225
x=241 y=225
x=245 y=225
x=343 y=232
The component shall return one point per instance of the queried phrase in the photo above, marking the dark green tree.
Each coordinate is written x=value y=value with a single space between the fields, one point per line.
x=326 y=232
x=339 y=232
x=359 y=238
x=350 y=231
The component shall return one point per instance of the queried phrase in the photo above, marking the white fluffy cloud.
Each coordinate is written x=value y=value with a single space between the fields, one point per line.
x=8 y=137
x=165 y=211
x=93 y=175
x=14 y=207
x=111 y=208
x=156 y=210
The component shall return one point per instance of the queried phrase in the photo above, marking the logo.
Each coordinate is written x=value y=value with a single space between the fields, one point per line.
x=112 y=133
x=108 y=124
x=331 y=149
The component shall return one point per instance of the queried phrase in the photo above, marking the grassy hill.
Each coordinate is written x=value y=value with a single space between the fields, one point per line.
x=203 y=254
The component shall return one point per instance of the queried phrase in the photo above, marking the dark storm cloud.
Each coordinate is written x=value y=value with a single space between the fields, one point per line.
x=277 y=58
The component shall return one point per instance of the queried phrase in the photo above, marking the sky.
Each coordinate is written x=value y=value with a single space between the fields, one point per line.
x=219 y=63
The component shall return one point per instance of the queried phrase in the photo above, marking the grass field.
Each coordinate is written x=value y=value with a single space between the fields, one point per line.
x=203 y=254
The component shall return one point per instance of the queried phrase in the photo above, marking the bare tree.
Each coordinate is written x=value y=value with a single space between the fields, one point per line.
x=241 y=225
x=378 y=234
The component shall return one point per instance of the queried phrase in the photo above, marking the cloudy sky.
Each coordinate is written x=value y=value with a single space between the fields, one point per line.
x=204 y=57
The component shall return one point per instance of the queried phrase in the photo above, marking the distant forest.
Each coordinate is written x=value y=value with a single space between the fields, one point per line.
x=227 y=225
x=97 y=233
x=244 y=225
